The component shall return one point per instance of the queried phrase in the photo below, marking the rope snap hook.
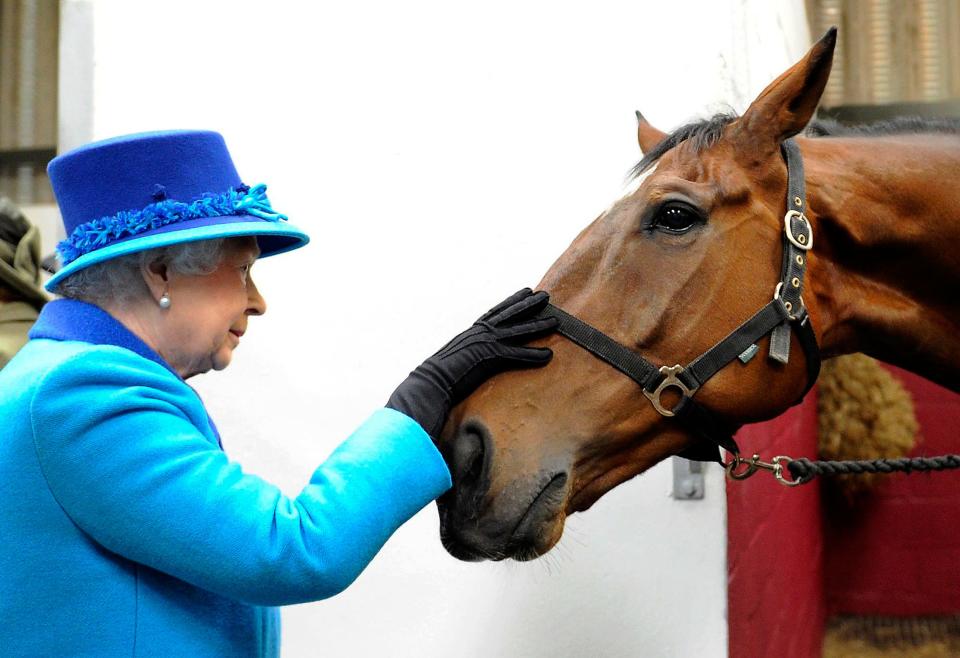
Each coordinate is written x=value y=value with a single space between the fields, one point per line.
x=740 y=469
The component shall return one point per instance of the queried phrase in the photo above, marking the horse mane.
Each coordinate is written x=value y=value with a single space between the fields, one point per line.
x=905 y=125
x=704 y=133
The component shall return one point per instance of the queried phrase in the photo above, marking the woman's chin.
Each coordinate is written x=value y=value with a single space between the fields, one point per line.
x=216 y=362
x=222 y=358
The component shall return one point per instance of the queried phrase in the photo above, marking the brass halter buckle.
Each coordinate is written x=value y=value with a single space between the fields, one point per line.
x=670 y=379
x=799 y=241
x=754 y=464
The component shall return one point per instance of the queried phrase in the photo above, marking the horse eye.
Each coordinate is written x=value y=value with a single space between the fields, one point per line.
x=675 y=218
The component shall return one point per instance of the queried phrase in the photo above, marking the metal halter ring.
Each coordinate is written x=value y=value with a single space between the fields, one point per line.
x=799 y=241
x=790 y=310
x=670 y=379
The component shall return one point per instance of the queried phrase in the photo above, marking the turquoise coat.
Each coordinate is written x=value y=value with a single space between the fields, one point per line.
x=126 y=530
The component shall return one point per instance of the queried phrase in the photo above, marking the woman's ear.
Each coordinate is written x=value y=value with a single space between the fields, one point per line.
x=156 y=277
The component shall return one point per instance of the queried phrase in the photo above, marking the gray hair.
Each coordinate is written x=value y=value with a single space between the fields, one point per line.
x=120 y=281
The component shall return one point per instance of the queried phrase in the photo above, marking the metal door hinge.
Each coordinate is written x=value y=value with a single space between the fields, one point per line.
x=688 y=481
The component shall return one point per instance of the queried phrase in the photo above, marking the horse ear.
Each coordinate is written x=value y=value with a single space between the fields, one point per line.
x=647 y=135
x=785 y=107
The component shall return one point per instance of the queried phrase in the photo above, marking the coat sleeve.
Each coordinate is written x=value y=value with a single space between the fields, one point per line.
x=127 y=464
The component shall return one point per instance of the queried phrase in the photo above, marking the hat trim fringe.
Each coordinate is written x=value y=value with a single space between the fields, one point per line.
x=98 y=233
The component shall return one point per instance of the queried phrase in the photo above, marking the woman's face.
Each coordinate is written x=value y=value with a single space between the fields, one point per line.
x=208 y=313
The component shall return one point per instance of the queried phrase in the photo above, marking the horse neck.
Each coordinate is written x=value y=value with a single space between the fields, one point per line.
x=885 y=265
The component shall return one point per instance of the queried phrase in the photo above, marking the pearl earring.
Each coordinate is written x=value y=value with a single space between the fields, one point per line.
x=164 y=301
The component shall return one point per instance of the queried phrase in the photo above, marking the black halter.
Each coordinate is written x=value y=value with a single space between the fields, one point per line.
x=784 y=312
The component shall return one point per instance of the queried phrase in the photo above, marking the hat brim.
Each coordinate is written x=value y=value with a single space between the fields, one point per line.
x=274 y=237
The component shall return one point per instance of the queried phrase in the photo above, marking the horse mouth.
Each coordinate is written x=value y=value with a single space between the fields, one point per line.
x=535 y=533
x=530 y=539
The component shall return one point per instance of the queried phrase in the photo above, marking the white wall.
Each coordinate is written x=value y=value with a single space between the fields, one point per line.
x=441 y=155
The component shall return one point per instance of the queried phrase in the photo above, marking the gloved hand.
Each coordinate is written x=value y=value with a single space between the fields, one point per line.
x=492 y=345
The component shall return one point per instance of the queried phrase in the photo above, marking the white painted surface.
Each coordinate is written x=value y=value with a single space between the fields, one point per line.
x=441 y=155
x=46 y=218
x=76 y=66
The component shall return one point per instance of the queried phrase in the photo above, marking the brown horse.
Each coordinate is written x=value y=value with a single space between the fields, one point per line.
x=682 y=260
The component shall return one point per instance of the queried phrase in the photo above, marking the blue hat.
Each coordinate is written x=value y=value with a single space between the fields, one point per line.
x=138 y=192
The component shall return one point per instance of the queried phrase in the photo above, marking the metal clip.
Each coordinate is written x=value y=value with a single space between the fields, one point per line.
x=754 y=464
x=670 y=379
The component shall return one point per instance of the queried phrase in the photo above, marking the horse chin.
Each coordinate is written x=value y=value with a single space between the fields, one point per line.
x=540 y=543
x=521 y=549
x=584 y=498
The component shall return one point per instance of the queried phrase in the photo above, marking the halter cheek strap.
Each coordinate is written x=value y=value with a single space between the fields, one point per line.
x=779 y=317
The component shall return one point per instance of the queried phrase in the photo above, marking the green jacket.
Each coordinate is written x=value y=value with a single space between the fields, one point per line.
x=16 y=318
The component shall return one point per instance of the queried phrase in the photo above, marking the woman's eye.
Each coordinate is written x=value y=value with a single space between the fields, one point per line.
x=675 y=219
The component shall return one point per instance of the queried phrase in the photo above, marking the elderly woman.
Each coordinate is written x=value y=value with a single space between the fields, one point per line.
x=127 y=530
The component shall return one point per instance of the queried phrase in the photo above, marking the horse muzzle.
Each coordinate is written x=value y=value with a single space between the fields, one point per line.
x=521 y=521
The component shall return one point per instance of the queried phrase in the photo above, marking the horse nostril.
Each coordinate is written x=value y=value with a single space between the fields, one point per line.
x=469 y=456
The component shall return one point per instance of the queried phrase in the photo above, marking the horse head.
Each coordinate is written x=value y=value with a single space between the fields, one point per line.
x=668 y=270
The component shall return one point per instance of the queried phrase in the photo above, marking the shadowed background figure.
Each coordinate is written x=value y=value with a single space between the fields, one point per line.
x=21 y=294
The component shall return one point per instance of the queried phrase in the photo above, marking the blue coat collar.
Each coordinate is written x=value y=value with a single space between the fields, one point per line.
x=71 y=319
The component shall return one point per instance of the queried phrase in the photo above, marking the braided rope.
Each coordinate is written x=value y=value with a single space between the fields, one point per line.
x=803 y=469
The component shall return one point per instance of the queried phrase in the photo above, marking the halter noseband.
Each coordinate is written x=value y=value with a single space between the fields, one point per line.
x=784 y=312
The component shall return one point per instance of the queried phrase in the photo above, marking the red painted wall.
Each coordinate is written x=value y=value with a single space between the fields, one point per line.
x=775 y=547
x=792 y=563
x=899 y=552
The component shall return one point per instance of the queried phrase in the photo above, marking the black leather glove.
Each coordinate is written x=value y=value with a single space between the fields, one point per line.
x=492 y=345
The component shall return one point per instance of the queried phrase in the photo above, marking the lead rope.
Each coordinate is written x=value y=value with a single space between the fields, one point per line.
x=804 y=470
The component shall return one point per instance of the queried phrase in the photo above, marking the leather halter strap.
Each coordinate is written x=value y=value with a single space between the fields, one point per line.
x=783 y=313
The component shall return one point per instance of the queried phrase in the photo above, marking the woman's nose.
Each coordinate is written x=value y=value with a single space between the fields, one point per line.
x=256 y=304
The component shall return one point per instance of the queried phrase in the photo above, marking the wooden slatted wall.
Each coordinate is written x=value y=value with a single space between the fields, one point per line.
x=891 y=51
x=28 y=97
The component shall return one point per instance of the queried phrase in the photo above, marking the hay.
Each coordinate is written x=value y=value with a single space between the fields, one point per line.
x=892 y=637
x=864 y=413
